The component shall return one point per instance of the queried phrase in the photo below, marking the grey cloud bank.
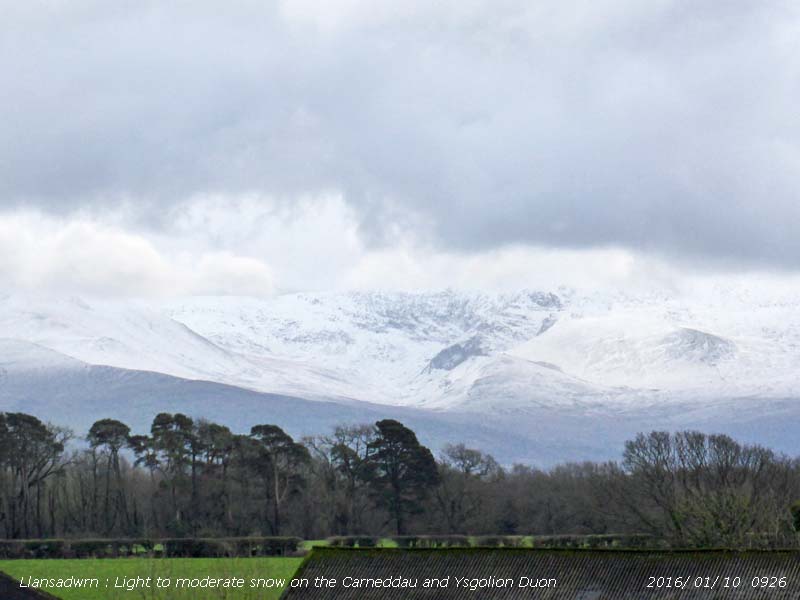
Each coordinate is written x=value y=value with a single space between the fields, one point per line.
x=667 y=127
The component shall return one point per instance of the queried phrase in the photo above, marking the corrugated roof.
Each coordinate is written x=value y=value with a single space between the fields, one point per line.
x=505 y=573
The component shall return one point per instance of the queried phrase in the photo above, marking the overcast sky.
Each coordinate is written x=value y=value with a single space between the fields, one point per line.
x=152 y=147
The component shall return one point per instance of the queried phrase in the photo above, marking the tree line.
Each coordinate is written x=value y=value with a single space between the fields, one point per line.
x=190 y=477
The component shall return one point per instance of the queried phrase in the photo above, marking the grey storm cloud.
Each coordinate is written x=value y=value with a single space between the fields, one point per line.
x=669 y=126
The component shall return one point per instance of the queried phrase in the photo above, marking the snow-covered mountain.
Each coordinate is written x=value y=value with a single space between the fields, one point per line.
x=391 y=348
x=532 y=361
x=74 y=394
x=455 y=350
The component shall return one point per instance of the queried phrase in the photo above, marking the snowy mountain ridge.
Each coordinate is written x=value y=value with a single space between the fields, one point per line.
x=531 y=376
x=444 y=350
x=605 y=348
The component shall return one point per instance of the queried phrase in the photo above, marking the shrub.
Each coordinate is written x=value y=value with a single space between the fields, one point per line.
x=172 y=547
x=605 y=540
x=44 y=548
x=494 y=541
x=12 y=549
x=351 y=541
x=431 y=541
x=795 y=511
x=342 y=541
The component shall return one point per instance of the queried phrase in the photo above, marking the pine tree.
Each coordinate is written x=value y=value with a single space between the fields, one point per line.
x=404 y=471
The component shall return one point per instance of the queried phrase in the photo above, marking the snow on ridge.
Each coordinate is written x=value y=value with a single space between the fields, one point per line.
x=649 y=344
x=512 y=350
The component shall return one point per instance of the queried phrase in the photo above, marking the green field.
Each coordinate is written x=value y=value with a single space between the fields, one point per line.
x=108 y=570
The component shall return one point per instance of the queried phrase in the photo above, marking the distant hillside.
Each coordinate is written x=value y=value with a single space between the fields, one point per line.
x=534 y=376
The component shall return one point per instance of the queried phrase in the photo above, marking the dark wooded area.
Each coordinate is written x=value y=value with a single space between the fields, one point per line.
x=194 y=478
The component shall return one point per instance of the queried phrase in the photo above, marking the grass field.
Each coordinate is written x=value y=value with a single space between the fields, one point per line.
x=108 y=570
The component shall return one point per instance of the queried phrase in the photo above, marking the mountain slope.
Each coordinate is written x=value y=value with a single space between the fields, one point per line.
x=71 y=393
x=431 y=349
x=132 y=335
x=553 y=373
x=74 y=394
x=439 y=349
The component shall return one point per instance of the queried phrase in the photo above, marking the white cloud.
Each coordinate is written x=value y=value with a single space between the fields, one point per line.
x=663 y=126
x=308 y=243
x=509 y=268
x=228 y=274
x=82 y=255
x=249 y=245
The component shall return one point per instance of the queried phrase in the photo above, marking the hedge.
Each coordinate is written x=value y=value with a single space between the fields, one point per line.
x=496 y=541
x=518 y=541
x=606 y=540
x=431 y=541
x=170 y=547
x=281 y=546
x=353 y=541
